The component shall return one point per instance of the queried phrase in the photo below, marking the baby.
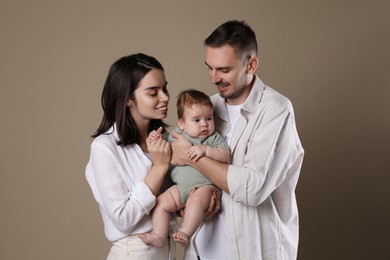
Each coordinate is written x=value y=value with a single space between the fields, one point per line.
x=196 y=123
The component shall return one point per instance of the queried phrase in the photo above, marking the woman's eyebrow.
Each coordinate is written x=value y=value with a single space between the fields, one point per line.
x=155 y=87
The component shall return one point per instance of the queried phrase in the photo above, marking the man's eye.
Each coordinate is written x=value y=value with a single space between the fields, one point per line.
x=153 y=94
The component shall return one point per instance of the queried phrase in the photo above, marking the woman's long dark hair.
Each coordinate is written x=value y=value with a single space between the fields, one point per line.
x=122 y=80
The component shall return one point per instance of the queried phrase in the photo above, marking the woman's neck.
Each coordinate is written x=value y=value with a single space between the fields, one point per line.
x=143 y=131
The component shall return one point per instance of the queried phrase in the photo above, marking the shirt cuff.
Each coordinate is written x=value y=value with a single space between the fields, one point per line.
x=236 y=184
x=142 y=194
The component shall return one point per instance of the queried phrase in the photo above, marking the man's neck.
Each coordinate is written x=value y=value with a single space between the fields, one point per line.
x=244 y=95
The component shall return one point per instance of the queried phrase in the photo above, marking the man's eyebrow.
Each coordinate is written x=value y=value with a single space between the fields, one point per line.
x=218 y=68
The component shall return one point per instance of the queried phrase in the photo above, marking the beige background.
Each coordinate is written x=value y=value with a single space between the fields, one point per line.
x=331 y=58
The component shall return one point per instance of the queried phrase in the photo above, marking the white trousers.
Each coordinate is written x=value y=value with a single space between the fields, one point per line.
x=132 y=248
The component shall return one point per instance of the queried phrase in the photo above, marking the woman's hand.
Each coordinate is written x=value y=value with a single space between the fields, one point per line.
x=159 y=149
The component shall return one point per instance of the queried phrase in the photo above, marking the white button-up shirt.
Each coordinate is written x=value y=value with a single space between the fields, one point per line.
x=116 y=176
x=261 y=215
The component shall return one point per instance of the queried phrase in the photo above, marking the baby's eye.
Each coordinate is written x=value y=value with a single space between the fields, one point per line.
x=197 y=120
x=210 y=118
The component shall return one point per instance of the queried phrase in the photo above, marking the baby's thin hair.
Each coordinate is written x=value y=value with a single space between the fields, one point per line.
x=190 y=97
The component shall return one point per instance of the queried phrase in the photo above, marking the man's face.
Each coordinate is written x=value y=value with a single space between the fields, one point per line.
x=229 y=73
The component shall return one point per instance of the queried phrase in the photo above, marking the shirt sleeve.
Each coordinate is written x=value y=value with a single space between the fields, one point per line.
x=126 y=201
x=272 y=149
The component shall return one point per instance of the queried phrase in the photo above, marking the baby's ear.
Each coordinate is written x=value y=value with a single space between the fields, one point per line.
x=180 y=123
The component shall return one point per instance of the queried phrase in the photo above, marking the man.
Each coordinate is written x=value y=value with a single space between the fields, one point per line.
x=259 y=218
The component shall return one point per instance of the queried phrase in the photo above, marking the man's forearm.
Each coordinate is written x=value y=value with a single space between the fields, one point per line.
x=218 y=154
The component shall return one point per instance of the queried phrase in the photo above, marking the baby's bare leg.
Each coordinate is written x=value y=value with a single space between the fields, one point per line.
x=167 y=202
x=196 y=204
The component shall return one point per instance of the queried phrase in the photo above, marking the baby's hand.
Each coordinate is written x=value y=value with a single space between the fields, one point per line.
x=154 y=135
x=197 y=151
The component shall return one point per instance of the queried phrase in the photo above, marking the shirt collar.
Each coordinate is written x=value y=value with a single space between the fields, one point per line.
x=254 y=98
x=113 y=132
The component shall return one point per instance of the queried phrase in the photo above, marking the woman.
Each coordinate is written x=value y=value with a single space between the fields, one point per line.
x=125 y=172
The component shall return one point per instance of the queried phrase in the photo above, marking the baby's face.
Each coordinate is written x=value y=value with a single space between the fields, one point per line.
x=197 y=121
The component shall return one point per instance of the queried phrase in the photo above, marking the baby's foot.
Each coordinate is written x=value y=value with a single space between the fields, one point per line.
x=181 y=238
x=152 y=239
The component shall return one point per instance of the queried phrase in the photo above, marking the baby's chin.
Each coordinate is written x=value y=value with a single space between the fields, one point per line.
x=203 y=135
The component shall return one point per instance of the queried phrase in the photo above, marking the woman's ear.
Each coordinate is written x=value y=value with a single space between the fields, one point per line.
x=129 y=103
x=253 y=63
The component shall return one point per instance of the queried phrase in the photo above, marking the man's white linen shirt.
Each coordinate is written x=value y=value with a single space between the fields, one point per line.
x=261 y=215
x=116 y=175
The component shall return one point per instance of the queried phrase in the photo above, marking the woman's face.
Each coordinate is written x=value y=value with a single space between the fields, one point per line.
x=151 y=98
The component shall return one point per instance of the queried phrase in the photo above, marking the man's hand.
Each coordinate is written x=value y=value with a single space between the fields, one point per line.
x=214 y=205
x=180 y=149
